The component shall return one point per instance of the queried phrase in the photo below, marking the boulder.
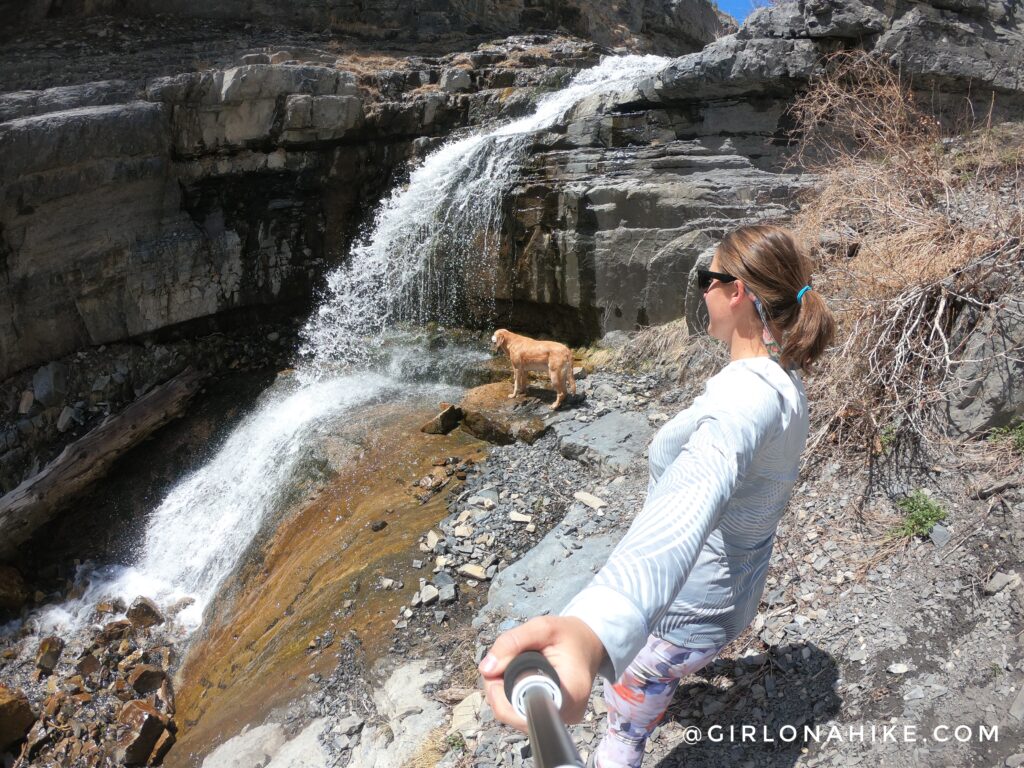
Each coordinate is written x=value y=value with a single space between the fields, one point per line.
x=16 y=717
x=255 y=746
x=444 y=422
x=143 y=612
x=144 y=727
x=146 y=678
x=987 y=390
x=48 y=653
x=50 y=384
x=455 y=80
x=490 y=415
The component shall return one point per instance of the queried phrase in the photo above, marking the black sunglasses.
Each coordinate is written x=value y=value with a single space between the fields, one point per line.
x=705 y=276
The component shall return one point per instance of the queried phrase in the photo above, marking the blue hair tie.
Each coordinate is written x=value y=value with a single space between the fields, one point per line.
x=800 y=296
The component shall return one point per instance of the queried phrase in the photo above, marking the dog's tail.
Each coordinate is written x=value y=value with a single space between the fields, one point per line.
x=570 y=377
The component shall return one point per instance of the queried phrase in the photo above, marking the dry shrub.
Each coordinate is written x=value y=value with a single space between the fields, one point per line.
x=431 y=751
x=909 y=219
x=654 y=346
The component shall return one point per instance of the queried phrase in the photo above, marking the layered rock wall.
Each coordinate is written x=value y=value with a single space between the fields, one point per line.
x=663 y=26
x=620 y=200
x=125 y=210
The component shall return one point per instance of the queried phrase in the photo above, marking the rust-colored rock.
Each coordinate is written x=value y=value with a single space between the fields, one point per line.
x=16 y=716
x=48 y=654
x=88 y=665
x=161 y=748
x=114 y=605
x=115 y=630
x=444 y=422
x=146 y=678
x=145 y=727
x=491 y=416
x=144 y=613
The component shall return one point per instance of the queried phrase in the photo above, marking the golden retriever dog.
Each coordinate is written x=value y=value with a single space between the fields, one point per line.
x=528 y=354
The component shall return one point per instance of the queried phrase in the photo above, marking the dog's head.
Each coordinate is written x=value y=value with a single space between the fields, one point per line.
x=499 y=339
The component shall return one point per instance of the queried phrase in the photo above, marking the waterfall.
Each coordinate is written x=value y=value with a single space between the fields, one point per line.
x=427 y=237
x=441 y=229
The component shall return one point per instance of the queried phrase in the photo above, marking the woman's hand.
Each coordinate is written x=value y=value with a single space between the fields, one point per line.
x=568 y=643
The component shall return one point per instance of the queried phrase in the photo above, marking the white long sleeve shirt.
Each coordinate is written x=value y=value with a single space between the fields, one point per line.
x=692 y=566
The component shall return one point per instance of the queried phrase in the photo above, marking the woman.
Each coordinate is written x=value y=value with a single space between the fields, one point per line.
x=687 y=577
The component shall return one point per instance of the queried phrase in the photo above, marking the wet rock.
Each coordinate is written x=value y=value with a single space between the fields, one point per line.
x=144 y=726
x=115 y=605
x=444 y=422
x=162 y=747
x=13 y=591
x=115 y=630
x=179 y=605
x=144 y=613
x=491 y=416
x=378 y=525
x=16 y=716
x=146 y=678
x=88 y=665
x=48 y=653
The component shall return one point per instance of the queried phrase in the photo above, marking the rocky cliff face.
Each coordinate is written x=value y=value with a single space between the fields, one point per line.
x=663 y=26
x=130 y=208
x=618 y=204
x=135 y=205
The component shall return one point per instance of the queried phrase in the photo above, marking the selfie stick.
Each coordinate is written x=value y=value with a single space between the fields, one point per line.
x=532 y=686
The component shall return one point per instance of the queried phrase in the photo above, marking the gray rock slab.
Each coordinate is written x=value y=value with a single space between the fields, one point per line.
x=304 y=751
x=410 y=717
x=251 y=747
x=609 y=443
x=557 y=578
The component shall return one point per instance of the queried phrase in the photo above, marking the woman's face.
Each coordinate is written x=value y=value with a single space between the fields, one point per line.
x=717 y=298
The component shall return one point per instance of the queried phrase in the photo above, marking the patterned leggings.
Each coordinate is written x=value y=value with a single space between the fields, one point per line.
x=637 y=702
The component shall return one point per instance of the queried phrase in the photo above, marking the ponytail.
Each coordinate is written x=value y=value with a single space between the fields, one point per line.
x=811 y=333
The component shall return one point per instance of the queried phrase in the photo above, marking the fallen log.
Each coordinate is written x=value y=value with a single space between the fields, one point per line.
x=88 y=459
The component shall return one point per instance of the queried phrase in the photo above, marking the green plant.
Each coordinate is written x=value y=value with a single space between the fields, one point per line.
x=920 y=512
x=1014 y=435
x=456 y=741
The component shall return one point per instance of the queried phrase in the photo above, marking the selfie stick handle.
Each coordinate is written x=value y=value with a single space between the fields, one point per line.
x=533 y=688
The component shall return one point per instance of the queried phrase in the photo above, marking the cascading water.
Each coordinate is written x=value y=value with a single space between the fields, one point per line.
x=427 y=238
x=440 y=229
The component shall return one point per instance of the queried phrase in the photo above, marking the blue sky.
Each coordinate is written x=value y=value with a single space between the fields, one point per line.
x=738 y=9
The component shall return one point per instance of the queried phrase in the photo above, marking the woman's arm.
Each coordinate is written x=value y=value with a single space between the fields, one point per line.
x=647 y=569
